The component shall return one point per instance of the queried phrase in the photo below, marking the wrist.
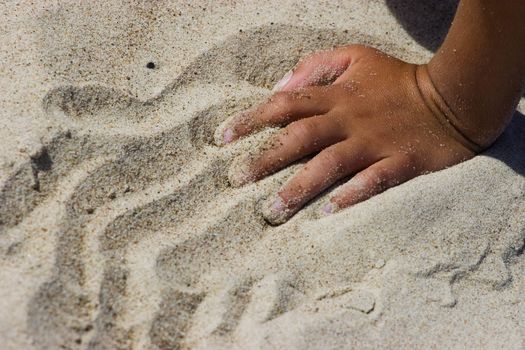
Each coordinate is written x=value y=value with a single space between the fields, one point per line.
x=479 y=71
x=474 y=103
x=453 y=123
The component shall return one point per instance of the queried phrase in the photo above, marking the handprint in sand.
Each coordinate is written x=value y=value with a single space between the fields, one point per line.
x=155 y=249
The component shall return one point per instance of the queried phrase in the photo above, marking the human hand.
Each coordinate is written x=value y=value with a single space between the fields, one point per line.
x=367 y=115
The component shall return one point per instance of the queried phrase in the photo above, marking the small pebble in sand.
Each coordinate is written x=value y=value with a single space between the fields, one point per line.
x=380 y=264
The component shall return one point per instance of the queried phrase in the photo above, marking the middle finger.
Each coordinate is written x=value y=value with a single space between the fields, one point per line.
x=298 y=140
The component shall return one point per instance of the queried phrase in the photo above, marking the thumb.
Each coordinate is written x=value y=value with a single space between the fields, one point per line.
x=318 y=68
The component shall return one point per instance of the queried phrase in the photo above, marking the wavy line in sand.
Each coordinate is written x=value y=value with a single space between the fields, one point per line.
x=207 y=281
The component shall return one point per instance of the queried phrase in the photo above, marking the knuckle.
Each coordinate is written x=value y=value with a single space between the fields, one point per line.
x=301 y=130
x=408 y=163
x=351 y=89
x=410 y=160
x=375 y=177
x=333 y=158
x=282 y=100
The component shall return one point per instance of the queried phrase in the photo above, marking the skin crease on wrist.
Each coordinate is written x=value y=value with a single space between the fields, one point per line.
x=378 y=121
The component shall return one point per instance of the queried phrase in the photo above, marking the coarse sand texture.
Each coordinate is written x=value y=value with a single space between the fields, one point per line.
x=119 y=229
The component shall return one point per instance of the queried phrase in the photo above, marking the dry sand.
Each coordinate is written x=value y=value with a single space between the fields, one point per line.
x=118 y=228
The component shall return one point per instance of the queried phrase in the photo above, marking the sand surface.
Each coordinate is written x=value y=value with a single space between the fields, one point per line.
x=118 y=229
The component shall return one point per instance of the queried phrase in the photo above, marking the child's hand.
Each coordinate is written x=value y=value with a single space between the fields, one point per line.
x=370 y=116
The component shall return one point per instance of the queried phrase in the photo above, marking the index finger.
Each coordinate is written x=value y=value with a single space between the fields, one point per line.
x=279 y=110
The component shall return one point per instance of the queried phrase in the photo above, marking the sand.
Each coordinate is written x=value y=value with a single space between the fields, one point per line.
x=119 y=230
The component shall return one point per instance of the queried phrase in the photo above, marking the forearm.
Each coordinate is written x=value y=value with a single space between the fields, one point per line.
x=480 y=69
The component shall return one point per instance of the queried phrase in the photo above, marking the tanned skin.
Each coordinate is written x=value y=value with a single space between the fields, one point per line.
x=380 y=121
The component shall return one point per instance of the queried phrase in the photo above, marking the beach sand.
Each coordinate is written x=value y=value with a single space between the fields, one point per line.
x=119 y=230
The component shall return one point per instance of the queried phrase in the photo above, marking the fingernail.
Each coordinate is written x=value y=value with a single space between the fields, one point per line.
x=278 y=204
x=329 y=208
x=227 y=137
x=224 y=133
x=276 y=212
x=282 y=83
